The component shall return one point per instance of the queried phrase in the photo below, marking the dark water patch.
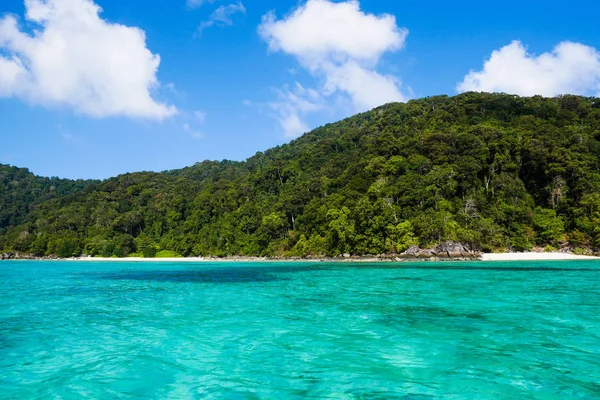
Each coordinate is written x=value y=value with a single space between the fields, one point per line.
x=232 y=275
x=3 y=340
x=204 y=274
x=423 y=313
x=407 y=278
x=250 y=268
x=384 y=394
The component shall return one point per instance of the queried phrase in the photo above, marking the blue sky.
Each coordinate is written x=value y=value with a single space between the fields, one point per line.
x=84 y=95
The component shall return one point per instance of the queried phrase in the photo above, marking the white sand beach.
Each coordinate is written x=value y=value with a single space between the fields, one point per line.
x=534 y=257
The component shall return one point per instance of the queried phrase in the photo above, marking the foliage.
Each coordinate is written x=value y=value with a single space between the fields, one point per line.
x=167 y=254
x=493 y=171
x=20 y=190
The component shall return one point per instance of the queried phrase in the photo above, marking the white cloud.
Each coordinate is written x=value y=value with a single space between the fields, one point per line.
x=571 y=68
x=74 y=58
x=293 y=126
x=197 y=3
x=292 y=105
x=222 y=15
x=323 y=32
x=367 y=88
x=341 y=45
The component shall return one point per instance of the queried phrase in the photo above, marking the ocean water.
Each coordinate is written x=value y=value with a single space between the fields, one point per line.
x=72 y=330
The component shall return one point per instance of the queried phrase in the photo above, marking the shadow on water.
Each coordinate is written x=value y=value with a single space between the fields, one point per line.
x=402 y=315
x=234 y=275
x=272 y=273
x=226 y=274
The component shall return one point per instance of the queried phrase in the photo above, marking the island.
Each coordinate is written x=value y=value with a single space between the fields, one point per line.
x=481 y=173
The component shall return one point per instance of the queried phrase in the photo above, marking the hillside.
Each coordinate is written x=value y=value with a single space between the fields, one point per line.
x=491 y=171
x=20 y=190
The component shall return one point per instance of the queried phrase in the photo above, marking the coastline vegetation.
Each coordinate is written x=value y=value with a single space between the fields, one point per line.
x=491 y=171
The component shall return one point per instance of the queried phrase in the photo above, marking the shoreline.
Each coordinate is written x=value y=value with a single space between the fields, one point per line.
x=486 y=257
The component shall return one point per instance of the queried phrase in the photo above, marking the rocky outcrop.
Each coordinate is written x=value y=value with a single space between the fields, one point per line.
x=443 y=251
x=18 y=256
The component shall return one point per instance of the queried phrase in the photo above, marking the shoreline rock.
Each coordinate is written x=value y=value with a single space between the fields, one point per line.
x=19 y=256
x=443 y=251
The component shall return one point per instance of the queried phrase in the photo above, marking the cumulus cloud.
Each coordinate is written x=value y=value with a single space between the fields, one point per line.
x=292 y=105
x=341 y=45
x=367 y=88
x=74 y=58
x=570 y=68
x=323 y=32
x=222 y=15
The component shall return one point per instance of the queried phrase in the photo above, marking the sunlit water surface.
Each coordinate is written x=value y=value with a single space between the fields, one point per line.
x=297 y=330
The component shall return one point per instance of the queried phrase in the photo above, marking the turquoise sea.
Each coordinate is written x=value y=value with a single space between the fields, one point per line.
x=100 y=330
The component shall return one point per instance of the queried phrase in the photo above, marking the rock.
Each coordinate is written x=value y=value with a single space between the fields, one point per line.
x=451 y=247
x=346 y=255
x=418 y=253
x=454 y=250
x=412 y=251
x=445 y=251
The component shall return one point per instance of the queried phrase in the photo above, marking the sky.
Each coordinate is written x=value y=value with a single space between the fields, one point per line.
x=97 y=88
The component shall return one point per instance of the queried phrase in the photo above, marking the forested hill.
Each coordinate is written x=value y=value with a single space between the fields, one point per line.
x=20 y=190
x=491 y=171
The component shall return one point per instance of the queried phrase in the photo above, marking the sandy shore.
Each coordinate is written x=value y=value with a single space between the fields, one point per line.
x=534 y=257
x=484 y=257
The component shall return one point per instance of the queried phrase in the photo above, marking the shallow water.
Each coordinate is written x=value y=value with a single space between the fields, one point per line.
x=297 y=330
